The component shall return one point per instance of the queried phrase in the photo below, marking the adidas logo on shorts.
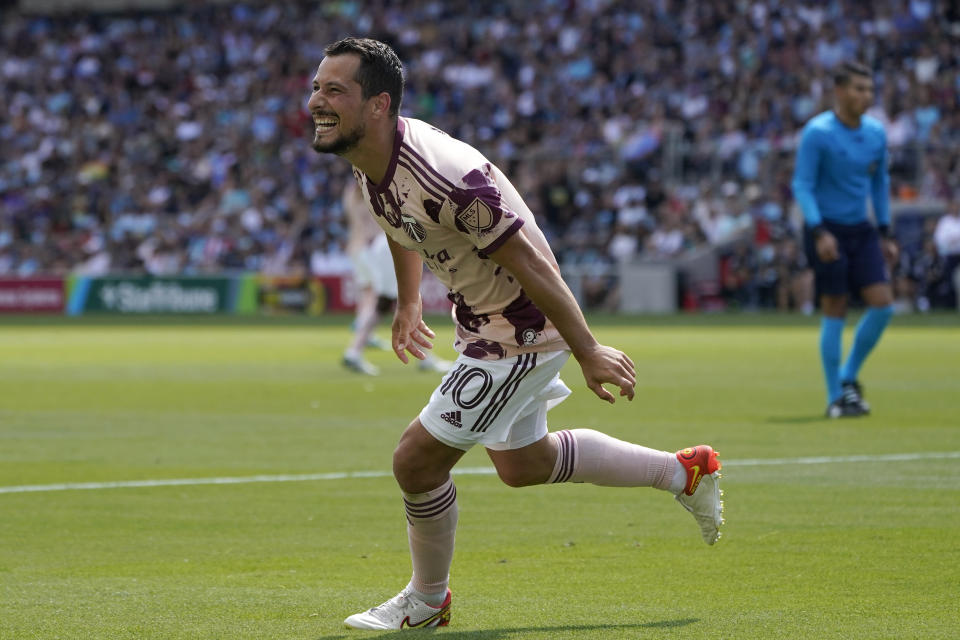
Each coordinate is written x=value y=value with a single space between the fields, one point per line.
x=453 y=417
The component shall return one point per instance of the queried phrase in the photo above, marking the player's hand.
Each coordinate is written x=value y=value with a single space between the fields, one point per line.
x=827 y=247
x=891 y=252
x=608 y=365
x=410 y=332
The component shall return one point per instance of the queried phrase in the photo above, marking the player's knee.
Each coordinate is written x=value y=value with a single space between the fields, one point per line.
x=885 y=311
x=884 y=300
x=519 y=476
x=414 y=474
x=406 y=471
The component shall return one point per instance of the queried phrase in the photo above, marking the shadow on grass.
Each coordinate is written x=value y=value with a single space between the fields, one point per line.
x=797 y=419
x=499 y=634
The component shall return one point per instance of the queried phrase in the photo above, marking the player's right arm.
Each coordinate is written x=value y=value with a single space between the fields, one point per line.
x=805 y=170
x=410 y=332
x=544 y=286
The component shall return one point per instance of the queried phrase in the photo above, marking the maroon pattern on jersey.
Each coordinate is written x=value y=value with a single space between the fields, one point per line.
x=526 y=318
x=432 y=207
x=465 y=315
x=484 y=349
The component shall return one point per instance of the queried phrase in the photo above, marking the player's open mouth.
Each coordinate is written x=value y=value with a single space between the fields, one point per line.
x=323 y=124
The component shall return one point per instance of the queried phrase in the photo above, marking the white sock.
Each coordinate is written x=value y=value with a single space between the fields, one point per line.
x=679 y=480
x=431 y=531
x=432 y=599
x=585 y=455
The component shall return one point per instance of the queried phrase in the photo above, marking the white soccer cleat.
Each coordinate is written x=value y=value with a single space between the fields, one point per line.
x=701 y=495
x=403 y=611
x=435 y=365
x=374 y=342
x=360 y=366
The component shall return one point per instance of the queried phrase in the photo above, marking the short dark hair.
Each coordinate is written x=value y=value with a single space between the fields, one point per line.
x=848 y=69
x=380 y=68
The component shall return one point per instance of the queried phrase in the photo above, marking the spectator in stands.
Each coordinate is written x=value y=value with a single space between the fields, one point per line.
x=115 y=122
x=928 y=272
x=740 y=286
x=946 y=238
x=794 y=277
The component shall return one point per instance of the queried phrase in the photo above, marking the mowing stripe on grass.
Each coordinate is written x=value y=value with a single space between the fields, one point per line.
x=467 y=471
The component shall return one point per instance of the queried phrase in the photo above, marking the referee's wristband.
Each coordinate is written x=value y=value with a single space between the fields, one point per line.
x=884 y=230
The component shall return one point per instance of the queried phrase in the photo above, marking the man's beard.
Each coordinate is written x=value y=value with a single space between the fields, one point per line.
x=341 y=145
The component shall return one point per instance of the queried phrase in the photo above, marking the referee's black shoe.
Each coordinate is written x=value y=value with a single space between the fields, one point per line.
x=852 y=393
x=841 y=408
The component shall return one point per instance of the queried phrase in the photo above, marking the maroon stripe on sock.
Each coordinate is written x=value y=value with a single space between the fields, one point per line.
x=419 y=505
x=435 y=510
x=561 y=455
x=567 y=469
x=416 y=508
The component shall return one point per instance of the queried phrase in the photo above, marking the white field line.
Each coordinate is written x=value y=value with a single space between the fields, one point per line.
x=467 y=471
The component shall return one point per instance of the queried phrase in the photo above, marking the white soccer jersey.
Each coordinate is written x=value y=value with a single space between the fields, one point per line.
x=441 y=198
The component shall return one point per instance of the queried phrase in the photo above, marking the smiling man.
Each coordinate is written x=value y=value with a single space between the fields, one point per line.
x=841 y=161
x=441 y=203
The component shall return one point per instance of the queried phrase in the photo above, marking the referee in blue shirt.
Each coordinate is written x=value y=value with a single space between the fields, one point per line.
x=841 y=160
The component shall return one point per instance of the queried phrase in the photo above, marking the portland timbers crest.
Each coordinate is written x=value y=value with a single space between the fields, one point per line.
x=413 y=228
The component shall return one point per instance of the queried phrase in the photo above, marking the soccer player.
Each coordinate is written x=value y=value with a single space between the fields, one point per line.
x=946 y=237
x=441 y=203
x=841 y=160
x=374 y=281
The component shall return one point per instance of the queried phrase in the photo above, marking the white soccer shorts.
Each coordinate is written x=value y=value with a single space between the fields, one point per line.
x=501 y=404
x=373 y=267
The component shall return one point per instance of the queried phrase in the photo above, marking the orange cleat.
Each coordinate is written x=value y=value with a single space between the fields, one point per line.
x=701 y=495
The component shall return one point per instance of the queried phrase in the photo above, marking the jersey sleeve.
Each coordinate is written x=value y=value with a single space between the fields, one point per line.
x=805 y=175
x=479 y=212
x=880 y=186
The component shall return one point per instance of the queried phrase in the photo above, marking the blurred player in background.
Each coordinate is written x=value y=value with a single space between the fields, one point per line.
x=442 y=203
x=375 y=284
x=946 y=237
x=842 y=160
x=374 y=292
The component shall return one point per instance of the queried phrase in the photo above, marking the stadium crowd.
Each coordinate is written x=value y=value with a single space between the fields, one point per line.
x=178 y=142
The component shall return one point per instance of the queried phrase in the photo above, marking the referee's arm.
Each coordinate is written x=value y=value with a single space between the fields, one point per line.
x=805 y=172
x=880 y=196
x=805 y=177
x=880 y=190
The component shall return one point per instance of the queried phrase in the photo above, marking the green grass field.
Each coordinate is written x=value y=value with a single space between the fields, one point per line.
x=814 y=547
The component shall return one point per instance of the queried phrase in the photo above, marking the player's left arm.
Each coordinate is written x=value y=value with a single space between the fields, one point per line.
x=410 y=332
x=880 y=196
x=543 y=285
